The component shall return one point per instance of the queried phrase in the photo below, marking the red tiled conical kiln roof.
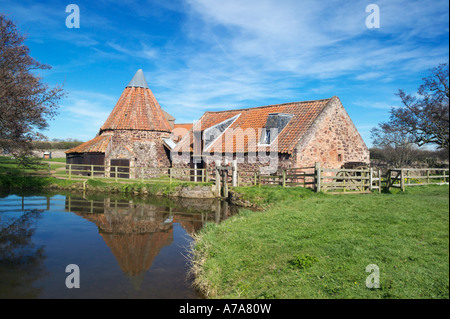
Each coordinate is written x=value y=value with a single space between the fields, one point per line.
x=137 y=109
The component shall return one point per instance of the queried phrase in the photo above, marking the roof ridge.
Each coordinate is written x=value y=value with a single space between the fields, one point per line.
x=272 y=105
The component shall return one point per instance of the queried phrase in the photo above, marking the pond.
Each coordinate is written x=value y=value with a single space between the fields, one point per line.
x=121 y=247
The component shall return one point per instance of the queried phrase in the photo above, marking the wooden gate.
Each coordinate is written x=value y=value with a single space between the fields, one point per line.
x=344 y=180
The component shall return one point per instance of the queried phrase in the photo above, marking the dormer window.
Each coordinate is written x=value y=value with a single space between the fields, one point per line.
x=275 y=123
x=212 y=134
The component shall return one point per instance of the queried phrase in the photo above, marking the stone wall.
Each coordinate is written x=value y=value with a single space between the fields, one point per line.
x=265 y=165
x=332 y=140
x=55 y=153
x=142 y=148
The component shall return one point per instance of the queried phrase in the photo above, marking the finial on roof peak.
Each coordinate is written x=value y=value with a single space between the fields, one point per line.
x=138 y=80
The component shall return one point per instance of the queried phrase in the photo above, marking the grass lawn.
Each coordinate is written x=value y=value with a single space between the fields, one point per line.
x=56 y=160
x=309 y=245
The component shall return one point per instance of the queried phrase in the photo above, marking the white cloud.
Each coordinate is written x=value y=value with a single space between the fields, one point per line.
x=84 y=112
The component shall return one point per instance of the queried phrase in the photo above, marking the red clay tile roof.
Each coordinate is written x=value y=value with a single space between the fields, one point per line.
x=254 y=119
x=96 y=145
x=137 y=109
x=186 y=126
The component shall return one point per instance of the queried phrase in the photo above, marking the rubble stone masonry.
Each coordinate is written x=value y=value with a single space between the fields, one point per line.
x=143 y=148
x=332 y=140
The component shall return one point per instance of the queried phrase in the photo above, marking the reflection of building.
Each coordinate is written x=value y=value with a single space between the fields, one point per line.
x=136 y=232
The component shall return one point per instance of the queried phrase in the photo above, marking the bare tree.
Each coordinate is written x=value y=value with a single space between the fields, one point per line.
x=396 y=144
x=26 y=104
x=426 y=116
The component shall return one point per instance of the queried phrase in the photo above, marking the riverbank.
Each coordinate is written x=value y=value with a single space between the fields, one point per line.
x=306 y=245
x=175 y=189
x=43 y=175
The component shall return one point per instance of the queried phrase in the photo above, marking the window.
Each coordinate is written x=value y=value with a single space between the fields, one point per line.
x=267 y=137
x=210 y=135
x=276 y=122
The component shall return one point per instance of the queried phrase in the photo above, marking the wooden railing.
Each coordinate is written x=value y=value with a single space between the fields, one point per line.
x=147 y=174
x=303 y=176
x=338 y=181
x=344 y=180
x=403 y=177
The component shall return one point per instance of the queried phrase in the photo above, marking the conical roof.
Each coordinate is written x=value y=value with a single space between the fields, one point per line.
x=137 y=109
x=138 y=80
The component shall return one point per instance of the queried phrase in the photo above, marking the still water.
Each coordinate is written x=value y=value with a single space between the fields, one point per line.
x=124 y=248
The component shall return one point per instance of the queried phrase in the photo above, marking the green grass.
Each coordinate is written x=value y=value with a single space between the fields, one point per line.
x=318 y=246
x=12 y=176
x=57 y=160
x=265 y=196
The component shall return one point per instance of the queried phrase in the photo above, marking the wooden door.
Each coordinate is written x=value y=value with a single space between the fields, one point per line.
x=123 y=171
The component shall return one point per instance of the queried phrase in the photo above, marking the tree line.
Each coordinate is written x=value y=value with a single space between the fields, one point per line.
x=422 y=120
x=413 y=157
x=56 y=144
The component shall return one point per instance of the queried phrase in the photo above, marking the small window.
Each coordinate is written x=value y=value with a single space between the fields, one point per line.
x=339 y=157
x=267 y=137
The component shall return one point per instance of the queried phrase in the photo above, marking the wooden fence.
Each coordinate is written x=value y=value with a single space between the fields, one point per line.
x=346 y=181
x=335 y=181
x=303 y=176
x=403 y=177
x=144 y=174
x=343 y=180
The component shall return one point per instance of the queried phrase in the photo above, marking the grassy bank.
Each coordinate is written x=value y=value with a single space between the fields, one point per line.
x=318 y=246
x=19 y=182
x=36 y=177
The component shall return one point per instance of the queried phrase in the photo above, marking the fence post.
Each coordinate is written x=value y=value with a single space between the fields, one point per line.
x=225 y=183
x=388 y=179
x=70 y=171
x=408 y=180
x=255 y=178
x=92 y=171
x=428 y=176
x=402 y=180
x=370 y=178
x=234 y=174
x=115 y=171
x=217 y=181
x=284 y=178
x=318 y=177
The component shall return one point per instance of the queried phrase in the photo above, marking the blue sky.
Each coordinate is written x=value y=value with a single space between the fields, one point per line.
x=201 y=55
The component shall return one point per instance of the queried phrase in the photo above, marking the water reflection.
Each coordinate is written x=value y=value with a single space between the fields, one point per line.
x=20 y=259
x=134 y=230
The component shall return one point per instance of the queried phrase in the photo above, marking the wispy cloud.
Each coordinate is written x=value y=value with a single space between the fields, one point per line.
x=203 y=55
x=84 y=112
